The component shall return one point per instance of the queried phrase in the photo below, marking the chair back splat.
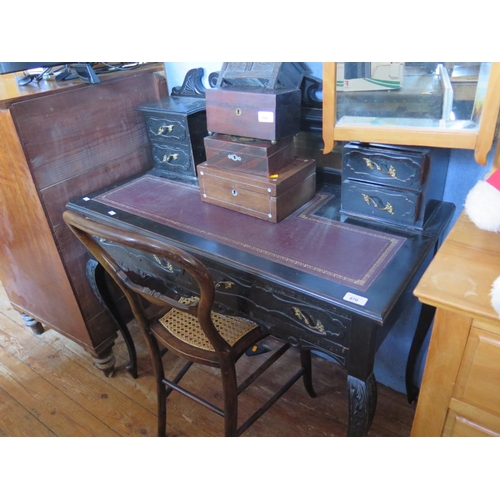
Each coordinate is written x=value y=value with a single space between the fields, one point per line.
x=184 y=323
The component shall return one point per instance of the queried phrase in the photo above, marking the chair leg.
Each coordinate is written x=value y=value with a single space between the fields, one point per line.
x=161 y=393
x=305 y=361
x=230 y=389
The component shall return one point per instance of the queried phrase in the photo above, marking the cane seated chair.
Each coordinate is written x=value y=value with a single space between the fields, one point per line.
x=186 y=326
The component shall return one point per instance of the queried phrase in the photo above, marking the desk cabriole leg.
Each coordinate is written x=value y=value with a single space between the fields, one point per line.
x=362 y=385
x=95 y=276
x=362 y=404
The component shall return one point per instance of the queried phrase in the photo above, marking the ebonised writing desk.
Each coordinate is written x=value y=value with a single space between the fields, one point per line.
x=323 y=283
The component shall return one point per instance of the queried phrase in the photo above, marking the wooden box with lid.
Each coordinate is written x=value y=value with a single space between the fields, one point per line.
x=257 y=195
x=258 y=113
x=253 y=156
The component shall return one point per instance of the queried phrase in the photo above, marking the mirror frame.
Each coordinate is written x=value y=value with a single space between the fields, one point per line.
x=480 y=139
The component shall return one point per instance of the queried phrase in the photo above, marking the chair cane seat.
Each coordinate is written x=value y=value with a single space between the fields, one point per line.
x=187 y=328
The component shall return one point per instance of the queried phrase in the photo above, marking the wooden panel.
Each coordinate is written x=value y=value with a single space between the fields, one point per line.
x=458 y=426
x=467 y=421
x=25 y=272
x=478 y=382
x=441 y=368
x=56 y=196
x=85 y=127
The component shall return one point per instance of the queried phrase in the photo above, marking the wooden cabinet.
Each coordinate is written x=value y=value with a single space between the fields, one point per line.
x=460 y=392
x=58 y=141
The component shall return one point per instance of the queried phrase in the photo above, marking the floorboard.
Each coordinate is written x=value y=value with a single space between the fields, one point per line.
x=50 y=387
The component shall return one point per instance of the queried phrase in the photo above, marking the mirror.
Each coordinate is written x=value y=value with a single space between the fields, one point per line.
x=447 y=104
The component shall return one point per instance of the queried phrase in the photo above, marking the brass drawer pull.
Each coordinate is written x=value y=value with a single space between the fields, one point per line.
x=165 y=128
x=164 y=265
x=378 y=204
x=226 y=284
x=318 y=326
x=169 y=158
x=371 y=165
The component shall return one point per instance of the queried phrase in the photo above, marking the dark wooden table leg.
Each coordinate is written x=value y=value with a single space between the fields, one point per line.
x=362 y=404
x=424 y=323
x=362 y=386
x=36 y=326
x=95 y=275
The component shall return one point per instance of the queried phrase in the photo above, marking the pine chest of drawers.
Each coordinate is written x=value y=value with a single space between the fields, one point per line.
x=176 y=127
x=392 y=184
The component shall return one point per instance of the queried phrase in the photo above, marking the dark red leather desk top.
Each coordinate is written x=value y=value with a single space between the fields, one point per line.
x=304 y=241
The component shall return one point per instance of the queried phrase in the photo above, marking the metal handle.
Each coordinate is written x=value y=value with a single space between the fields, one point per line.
x=377 y=203
x=318 y=326
x=164 y=265
x=225 y=284
x=167 y=159
x=165 y=128
x=234 y=157
x=390 y=171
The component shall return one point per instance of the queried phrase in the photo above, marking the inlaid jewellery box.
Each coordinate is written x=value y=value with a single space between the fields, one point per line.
x=270 y=199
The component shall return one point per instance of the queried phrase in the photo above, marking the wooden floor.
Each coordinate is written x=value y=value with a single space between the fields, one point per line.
x=50 y=387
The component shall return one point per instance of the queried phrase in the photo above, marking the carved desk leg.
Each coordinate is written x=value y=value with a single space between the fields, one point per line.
x=362 y=404
x=36 y=326
x=362 y=385
x=95 y=275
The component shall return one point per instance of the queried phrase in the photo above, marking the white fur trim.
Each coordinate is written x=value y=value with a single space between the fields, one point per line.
x=483 y=206
x=495 y=295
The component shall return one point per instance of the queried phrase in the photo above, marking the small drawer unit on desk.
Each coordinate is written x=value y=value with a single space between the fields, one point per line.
x=392 y=184
x=176 y=127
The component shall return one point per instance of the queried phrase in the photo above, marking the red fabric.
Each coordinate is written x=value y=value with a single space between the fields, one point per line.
x=494 y=179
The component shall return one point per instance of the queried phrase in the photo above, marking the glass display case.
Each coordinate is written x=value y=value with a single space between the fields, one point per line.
x=450 y=105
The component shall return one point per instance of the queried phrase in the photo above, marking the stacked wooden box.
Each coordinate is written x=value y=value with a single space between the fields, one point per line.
x=252 y=116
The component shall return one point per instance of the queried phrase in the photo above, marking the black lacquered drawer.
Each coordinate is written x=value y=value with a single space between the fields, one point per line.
x=380 y=202
x=166 y=128
x=173 y=157
x=284 y=312
x=391 y=167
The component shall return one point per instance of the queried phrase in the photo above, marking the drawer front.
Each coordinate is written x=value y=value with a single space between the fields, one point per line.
x=174 y=158
x=166 y=129
x=378 y=202
x=284 y=312
x=306 y=324
x=394 y=169
x=478 y=381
